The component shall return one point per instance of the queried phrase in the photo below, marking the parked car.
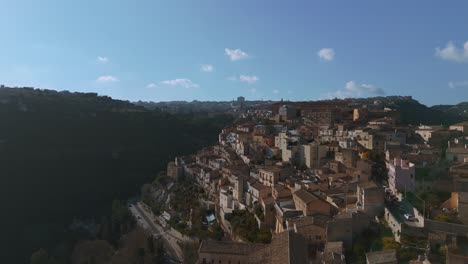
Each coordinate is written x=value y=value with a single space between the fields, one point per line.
x=409 y=217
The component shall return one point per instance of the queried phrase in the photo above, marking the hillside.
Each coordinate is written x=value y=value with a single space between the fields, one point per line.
x=460 y=109
x=66 y=156
x=413 y=112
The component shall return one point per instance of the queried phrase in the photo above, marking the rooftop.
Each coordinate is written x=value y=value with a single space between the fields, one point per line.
x=465 y=123
x=231 y=248
x=383 y=256
x=305 y=196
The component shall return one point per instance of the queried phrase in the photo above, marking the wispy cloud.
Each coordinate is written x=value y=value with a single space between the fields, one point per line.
x=236 y=54
x=207 y=68
x=102 y=59
x=253 y=90
x=250 y=79
x=353 y=89
x=452 y=53
x=459 y=84
x=151 y=85
x=107 y=78
x=327 y=54
x=183 y=82
x=276 y=91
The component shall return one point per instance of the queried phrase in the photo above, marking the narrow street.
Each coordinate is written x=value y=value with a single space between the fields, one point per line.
x=170 y=243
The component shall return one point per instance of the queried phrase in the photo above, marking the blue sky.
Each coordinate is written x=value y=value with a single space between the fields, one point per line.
x=218 y=50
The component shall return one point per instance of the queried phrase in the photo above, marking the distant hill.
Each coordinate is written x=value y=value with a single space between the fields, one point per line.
x=201 y=107
x=460 y=109
x=413 y=112
x=67 y=155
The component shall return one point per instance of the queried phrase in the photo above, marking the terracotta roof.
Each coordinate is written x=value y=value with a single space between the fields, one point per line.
x=288 y=248
x=367 y=185
x=459 y=150
x=383 y=256
x=231 y=248
x=305 y=196
x=465 y=123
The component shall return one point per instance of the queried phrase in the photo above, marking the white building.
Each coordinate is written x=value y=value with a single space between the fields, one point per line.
x=401 y=175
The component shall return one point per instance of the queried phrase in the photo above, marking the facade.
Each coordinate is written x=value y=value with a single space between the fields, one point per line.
x=457 y=154
x=270 y=176
x=310 y=204
x=426 y=131
x=287 y=112
x=348 y=157
x=311 y=155
x=345 y=226
x=462 y=127
x=370 y=198
x=401 y=175
x=313 y=232
x=285 y=248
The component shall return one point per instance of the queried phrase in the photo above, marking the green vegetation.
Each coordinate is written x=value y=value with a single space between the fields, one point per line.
x=42 y=257
x=245 y=226
x=460 y=109
x=375 y=238
x=67 y=156
x=415 y=113
x=185 y=203
x=190 y=251
x=430 y=198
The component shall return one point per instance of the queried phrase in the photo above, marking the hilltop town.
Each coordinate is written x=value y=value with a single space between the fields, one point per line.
x=335 y=181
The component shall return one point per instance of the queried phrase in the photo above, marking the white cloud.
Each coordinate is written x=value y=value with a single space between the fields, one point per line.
x=102 y=59
x=107 y=78
x=184 y=83
x=452 y=53
x=353 y=89
x=151 y=85
x=363 y=88
x=327 y=54
x=250 y=79
x=207 y=68
x=276 y=91
x=236 y=54
x=459 y=84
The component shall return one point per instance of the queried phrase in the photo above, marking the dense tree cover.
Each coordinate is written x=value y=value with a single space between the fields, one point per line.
x=412 y=112
x=244 y=225
x=460 y=109
x=189 y=215
x=135 y=247
x=66 y=156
